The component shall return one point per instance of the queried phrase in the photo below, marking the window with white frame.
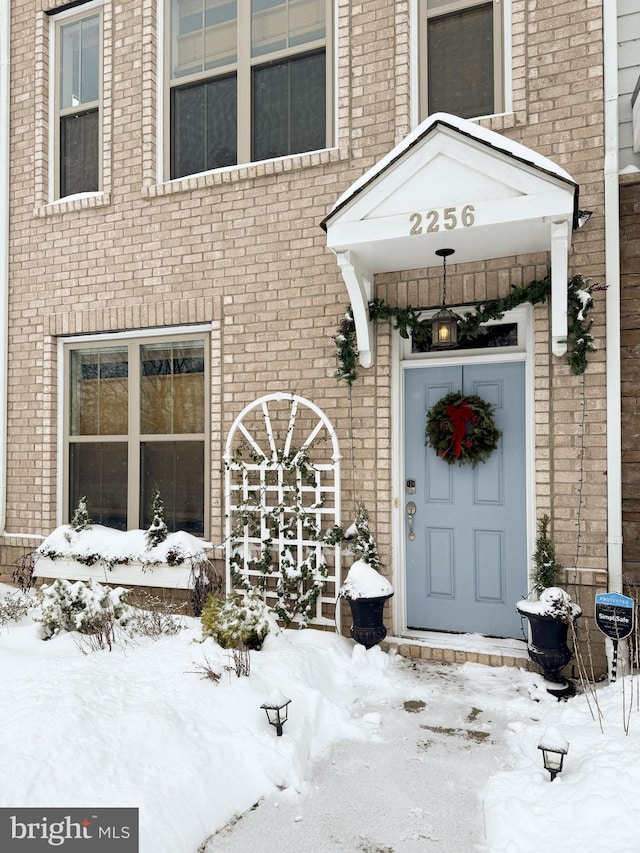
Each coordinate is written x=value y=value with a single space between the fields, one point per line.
x=249 y=80
x=461 y=57
x=77 y=99
x=136 y=421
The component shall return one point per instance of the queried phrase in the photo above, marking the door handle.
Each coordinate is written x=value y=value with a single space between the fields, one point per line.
x=411 y=511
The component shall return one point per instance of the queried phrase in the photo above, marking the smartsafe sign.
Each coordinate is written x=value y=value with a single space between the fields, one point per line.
x=69 y=830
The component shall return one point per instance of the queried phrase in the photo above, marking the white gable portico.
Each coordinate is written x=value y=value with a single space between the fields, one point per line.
x=452 y=183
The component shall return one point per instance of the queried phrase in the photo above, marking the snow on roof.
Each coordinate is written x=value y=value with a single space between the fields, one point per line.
x=466 y=127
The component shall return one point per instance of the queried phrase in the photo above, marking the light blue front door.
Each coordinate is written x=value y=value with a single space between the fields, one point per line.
x=467 y=566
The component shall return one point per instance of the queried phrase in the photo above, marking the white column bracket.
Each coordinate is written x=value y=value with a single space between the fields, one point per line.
x=360 y=289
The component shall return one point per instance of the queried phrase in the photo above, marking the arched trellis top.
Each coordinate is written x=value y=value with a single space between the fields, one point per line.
x=452 y=184
x=272 y=453
x=283 y=505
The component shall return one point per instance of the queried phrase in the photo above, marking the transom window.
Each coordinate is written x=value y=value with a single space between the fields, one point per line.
x=77 y=76
x=249 y=80
x=461 y=57
x=509 y=335
x=136 y=421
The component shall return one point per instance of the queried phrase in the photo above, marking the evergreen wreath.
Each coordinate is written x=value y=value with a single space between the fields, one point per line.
x=461 y=429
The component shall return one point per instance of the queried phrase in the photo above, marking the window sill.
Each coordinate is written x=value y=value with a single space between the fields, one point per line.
x=72 y=203
x=498 y=121
x=235 y=174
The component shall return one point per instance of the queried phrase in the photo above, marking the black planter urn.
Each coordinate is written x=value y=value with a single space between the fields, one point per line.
x=368 y=627
x=548 y=648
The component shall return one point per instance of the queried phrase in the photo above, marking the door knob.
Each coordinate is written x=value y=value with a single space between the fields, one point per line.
x=411 y=511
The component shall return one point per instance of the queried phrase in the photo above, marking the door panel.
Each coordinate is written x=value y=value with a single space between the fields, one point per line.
x=467 y=565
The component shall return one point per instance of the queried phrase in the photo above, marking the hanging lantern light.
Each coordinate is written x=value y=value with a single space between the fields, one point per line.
x=444 y=324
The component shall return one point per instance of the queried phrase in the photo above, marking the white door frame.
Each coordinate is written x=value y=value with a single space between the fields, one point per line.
x=400 y=362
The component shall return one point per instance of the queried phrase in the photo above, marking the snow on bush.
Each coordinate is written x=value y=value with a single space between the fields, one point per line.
x=364 y=579
x=157 y=532
x=14 y=605
x=363 y=544
x=79 y=606
x=241 y=620
x=548 y=570
x=81 y=519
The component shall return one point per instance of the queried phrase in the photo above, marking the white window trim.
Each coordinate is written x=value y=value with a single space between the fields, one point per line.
x=162 y=106
x=54 y=155
x=507 y=59
x=115 y=337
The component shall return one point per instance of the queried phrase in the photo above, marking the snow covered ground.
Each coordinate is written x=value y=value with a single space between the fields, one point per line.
x=380 y=755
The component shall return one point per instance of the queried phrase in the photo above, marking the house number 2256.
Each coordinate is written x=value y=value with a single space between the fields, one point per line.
x=447 y=218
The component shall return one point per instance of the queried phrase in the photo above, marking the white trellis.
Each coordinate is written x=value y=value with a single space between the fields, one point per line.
x=282 y=464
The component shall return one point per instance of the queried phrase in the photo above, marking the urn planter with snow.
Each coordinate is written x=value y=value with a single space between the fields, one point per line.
x=366 y=590
x=368 y=627
x=549 y=620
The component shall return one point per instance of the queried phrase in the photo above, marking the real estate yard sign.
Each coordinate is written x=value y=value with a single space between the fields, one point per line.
x=614 y=617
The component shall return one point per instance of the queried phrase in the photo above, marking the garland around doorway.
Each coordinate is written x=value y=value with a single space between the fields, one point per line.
x=409 y=323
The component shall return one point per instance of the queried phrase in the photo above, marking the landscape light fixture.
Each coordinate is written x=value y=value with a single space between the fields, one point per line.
x=554 y=748
x=444 y=324
x=277 y=710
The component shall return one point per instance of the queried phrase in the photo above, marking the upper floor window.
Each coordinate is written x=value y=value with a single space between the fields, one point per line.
x=461 y=57
x=249 y=80
x=77 y=96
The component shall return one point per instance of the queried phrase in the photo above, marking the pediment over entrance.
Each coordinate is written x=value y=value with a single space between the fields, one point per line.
x=452 y=184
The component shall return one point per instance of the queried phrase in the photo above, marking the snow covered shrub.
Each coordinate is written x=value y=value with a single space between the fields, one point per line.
x=81 y=519
x=13 y=606
x=362 y=543
x=241 y=620
x=548 y=571
x=154 y=617
x=157 y=532
x=79 y=606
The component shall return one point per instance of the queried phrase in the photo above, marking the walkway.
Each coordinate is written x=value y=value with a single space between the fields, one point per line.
x=416 y=790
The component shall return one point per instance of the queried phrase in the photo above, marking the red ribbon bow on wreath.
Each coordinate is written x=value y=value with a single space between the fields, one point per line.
x=458 y=415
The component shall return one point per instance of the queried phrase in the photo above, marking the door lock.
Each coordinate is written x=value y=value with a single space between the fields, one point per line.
x=411 y=511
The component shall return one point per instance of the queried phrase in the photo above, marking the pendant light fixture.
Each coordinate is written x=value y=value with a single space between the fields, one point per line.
x=444 y=324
